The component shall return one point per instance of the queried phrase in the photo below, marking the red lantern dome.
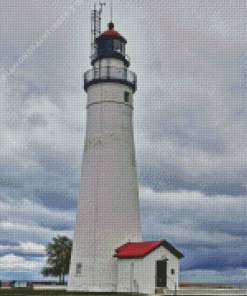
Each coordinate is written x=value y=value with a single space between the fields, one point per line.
x=112 y=32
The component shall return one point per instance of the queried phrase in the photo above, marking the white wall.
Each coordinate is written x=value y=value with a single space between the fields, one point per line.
x=110 y=92
x=110 y=62
x=108 y=206
x=20 y=284
x=49 y=287
x=144 y=272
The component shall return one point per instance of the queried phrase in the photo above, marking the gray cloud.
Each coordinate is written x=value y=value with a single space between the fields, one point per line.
x=8 y=182
x=168 y=177
x=209 y=231
x=52 y=198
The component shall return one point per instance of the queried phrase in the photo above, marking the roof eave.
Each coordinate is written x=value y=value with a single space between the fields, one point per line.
x=163 y=243
x=112 y=36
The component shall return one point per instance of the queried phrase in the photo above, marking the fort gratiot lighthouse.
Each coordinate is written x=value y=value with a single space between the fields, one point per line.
x=108 y=210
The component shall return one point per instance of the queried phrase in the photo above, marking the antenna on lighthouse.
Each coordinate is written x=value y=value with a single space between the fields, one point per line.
x=95 y=27
x=111 y=11
x=100 y=11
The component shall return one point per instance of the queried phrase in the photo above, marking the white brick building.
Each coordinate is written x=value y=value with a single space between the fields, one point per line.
x=144 y=266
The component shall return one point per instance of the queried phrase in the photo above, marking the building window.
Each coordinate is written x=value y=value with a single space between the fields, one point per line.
x=126 y=96
x=172 y=271
x=78 y=268
x=117 y=45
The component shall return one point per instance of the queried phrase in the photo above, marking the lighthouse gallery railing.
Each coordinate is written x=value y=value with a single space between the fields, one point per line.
x=109 y=73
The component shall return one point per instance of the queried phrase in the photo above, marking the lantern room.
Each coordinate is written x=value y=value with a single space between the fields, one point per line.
x=109 y=61
x=111 y=44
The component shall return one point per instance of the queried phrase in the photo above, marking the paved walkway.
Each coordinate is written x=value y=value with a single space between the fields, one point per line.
x=204 y=291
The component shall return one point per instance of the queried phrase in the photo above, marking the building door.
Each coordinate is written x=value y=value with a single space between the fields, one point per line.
x=161 y=273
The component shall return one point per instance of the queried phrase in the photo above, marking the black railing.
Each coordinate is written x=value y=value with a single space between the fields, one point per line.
x=109 y=74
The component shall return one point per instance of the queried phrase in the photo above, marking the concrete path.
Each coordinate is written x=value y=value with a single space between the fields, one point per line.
x=198 y=291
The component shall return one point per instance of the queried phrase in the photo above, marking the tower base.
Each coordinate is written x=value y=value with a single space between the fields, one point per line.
x=97 y=275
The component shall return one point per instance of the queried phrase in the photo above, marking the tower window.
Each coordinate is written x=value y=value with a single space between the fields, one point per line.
x=126 y=96
x=172 y=271
x=117 y=45
x=78 y=268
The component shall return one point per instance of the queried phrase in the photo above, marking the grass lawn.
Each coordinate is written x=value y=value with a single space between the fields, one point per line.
x=30 y=291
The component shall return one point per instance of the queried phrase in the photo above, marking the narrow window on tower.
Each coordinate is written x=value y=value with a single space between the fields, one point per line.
x=126 y=96
x=117 y=45
x=78 y=268
x=172 y=271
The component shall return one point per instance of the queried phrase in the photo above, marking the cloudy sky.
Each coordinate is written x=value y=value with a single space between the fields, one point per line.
x=190 y=124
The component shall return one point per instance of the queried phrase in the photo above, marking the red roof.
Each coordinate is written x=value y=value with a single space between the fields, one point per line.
x=140 y=249
x=136 y=249
x=111 y=33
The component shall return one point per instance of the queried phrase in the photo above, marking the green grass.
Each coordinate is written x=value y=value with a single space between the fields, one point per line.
x=30 y=291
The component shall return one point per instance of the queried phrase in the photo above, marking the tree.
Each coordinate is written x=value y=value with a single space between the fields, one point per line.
x=59 y=254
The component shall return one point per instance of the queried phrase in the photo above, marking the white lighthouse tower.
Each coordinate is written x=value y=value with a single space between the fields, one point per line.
x=108 y=210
